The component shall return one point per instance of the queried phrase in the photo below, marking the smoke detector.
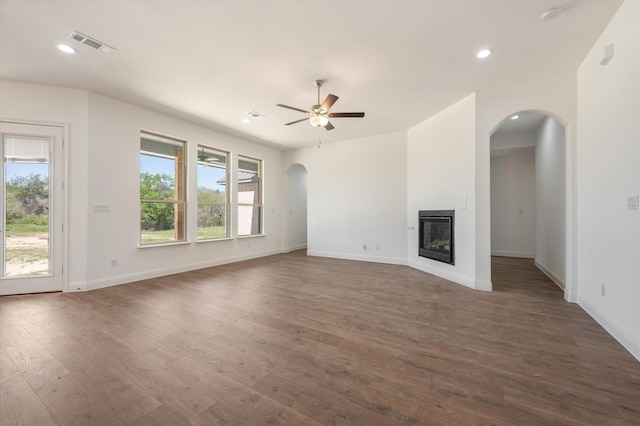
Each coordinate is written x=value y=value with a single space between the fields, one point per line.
x=550 y=14
x=92 y=42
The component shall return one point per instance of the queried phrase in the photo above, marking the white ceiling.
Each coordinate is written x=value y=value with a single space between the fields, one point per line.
x=211 y=62
x=527 y=122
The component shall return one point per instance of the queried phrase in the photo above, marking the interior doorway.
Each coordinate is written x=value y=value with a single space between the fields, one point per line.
x=297 y=198
x=528 y=185
x=31 y=209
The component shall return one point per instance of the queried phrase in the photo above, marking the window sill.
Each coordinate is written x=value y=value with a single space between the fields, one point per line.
x=242 y=237
x=210 y=240
x=177 y=243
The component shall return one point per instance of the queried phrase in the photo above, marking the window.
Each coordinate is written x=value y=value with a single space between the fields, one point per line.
x=249 y=196
x=162 y=189
x=213 y=197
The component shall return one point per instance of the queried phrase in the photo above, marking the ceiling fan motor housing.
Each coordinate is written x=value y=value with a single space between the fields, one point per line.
x=319 y=113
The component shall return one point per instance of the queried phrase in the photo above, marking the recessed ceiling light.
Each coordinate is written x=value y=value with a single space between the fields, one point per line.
x=246 y=120
x=66 y=48
x=484 y=53
x=515 y=117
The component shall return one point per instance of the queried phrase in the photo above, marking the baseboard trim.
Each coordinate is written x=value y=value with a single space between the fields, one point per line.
x=625 y=340
x=484 y=285
x=358 y=257
x=156 y=273
x=76 y=286
x=297 y=247
x=520 y=254
x=553 y=277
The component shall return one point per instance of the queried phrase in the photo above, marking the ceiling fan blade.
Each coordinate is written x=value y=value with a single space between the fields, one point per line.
x=346 y=114
x=293 y=108
x=329 y=126
x=329 y=101
x=297 y=121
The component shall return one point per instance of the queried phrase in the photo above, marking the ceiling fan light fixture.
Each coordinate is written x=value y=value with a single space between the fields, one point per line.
x=319 y=120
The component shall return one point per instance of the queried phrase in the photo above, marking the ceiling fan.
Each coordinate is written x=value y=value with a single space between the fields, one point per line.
x=319 y=114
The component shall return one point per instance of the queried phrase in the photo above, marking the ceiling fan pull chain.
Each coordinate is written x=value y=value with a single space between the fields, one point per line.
x=319 y=141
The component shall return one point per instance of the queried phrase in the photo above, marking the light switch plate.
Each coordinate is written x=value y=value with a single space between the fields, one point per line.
x=633 y=201
x=101 y=208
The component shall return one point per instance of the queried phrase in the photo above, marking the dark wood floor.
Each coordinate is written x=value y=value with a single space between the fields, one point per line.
x=298 y=340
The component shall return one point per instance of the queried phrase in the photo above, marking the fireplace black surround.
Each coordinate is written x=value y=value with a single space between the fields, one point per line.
x=437 y=235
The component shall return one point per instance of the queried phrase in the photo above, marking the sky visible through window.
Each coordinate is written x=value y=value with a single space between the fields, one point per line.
x=207 y=176
x=25 y=169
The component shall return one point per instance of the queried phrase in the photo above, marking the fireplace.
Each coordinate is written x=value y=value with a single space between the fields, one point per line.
x=436 y=235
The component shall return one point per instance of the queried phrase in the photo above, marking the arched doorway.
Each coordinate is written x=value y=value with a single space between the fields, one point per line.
x=528 y=192
x=297 y=203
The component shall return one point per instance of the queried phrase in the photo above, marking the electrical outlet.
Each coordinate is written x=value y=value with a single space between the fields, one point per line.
x=364 y=246
x=603 y=290
x=377 y=246
x=114 y=263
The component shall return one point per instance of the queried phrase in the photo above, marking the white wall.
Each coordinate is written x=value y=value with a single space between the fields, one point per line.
x=550 y=196
x=608 y=172
x=513 y=202
x=114 y=132
x=103 y=167
x=512 y=140
x=28 y=102
x=297 y=207
x=356 y=197
x=554 y=96
x=440 y=169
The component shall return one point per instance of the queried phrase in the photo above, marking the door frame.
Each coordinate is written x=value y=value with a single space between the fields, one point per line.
x=63 y=196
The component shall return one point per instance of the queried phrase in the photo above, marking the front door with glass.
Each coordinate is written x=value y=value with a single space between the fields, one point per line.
x=31 y=208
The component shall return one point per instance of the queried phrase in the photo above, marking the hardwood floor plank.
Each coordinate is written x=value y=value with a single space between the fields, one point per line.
x=7 y=367
x=71 y=403
x=291 y=339
x=117 y=392
x=37 y=365
x=19 y=405
x=162 y=416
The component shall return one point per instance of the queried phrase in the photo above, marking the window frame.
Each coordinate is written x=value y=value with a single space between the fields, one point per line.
x=227 y=203
x=179 y=201
x=260 y=202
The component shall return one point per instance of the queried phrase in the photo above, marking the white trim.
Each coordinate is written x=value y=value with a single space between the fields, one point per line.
x=507 y=253
x=64 y=199
x=167 y=244
x=625 y=340
x=553 y=277
x=484 y=285
x=297 y=247
x=243 y=237
x=464 y=280
x=208 y=240
x=77 y=286
x=358 y=257
x=155 y=273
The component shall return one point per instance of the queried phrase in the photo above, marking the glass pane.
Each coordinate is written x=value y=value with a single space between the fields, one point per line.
x=158 y=223
x=248 y=220
x=212 y=221
x=162 y=178
x=27 y=236
x=212 y=176
x=157 y=178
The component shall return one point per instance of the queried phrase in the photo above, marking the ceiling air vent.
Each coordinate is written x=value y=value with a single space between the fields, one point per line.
x=79 y=37
x=254 y=114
